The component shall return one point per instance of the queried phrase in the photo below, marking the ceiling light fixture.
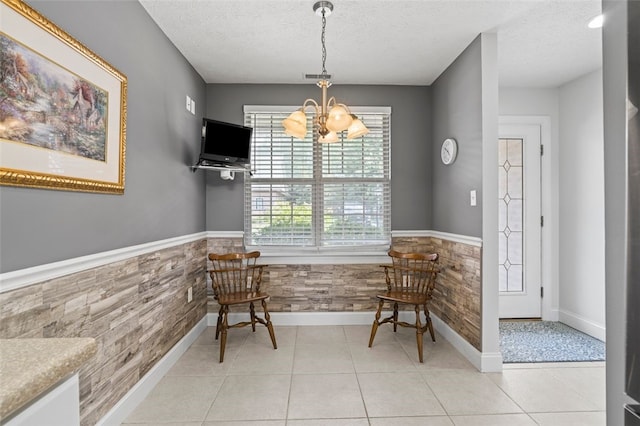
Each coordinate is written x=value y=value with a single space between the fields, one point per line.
x=331 y=116
x=596 y=22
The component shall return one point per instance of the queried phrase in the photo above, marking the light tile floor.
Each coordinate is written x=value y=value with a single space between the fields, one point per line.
x=328 y=376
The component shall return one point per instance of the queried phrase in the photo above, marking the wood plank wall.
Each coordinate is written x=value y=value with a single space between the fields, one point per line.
x=353 y=287
x=136 y=309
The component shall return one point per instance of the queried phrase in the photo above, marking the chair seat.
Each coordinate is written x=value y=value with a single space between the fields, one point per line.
x=399 y=296
x=241 y=297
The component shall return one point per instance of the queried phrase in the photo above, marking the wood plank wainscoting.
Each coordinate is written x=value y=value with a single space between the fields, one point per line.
x=133 y=302
x=353 y=287
x=135 y=308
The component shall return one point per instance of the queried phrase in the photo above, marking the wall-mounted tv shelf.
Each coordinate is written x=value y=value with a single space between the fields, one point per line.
x=220 y=167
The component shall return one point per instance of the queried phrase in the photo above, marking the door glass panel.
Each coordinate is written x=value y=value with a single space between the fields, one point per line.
x=510 y=208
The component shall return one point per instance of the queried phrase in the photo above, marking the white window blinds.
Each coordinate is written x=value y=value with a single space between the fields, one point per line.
x=305 y=194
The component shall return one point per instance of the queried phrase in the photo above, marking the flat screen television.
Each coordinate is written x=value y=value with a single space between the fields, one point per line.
x=225 y=144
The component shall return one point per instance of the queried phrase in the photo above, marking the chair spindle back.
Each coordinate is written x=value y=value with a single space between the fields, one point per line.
x=412 y=272
x=235 y=273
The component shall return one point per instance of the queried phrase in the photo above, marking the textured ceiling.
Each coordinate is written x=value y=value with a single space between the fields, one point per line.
x=541 y=43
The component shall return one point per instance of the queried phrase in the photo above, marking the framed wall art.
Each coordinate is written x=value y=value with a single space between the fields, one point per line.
x=62 y=108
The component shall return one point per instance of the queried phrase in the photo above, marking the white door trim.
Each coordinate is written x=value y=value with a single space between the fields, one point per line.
x=549 y=209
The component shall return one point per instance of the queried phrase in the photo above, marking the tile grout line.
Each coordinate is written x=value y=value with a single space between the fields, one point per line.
x=293 y=363
x=426 y=382
x=364 y=404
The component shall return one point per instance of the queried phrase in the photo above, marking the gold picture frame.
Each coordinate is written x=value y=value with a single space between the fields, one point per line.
x=63 y=109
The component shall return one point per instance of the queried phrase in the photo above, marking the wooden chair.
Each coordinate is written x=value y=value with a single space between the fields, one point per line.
x=236 y=280
x=410 y=281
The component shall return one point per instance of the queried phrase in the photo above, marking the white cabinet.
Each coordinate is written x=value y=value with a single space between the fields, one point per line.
x=60 y=406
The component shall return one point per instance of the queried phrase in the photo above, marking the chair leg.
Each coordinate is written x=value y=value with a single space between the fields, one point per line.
x=419 y=332
x=267 y=318
x=252 y=312
x=429 y=323
x=224 y=325
x=376 y=323
x=395 y=317
x=219 y=322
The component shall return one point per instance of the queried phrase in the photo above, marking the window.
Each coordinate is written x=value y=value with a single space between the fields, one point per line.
x=305 y=194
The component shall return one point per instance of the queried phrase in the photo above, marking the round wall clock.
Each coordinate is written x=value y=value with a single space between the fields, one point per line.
x=449 y=151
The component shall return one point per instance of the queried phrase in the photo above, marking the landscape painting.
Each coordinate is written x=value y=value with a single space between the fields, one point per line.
x=63 y=109
x=45 y=105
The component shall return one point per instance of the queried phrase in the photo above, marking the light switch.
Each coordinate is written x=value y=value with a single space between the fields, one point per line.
x=193 y=107
x=472 y=198
x=188 y=103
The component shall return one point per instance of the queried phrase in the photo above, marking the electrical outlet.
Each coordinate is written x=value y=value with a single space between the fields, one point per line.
x=189 y=294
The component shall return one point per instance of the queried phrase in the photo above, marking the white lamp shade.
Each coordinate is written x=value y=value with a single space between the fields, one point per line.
x=339 y=119
x=330 y=137
x=357 y=129
x=296 y=124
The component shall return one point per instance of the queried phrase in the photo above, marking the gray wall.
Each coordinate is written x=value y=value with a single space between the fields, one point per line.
x=410 y=145
x=162 y=198
x=457 y=93
x=614 y=68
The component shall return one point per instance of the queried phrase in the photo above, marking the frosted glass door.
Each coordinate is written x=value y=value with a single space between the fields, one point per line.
x=519 y=232
x=510 y=210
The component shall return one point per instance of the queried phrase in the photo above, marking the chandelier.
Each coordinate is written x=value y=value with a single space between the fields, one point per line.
x=331 y=117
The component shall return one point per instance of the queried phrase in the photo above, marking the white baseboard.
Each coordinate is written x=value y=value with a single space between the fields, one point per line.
x=552 y=315
x=487 y=362
x=583 y=324
x=141 y=390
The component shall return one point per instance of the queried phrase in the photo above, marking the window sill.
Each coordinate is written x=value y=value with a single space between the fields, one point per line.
x=315 y=257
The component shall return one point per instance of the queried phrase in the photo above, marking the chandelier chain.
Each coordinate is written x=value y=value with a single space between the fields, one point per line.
x=324 y=49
